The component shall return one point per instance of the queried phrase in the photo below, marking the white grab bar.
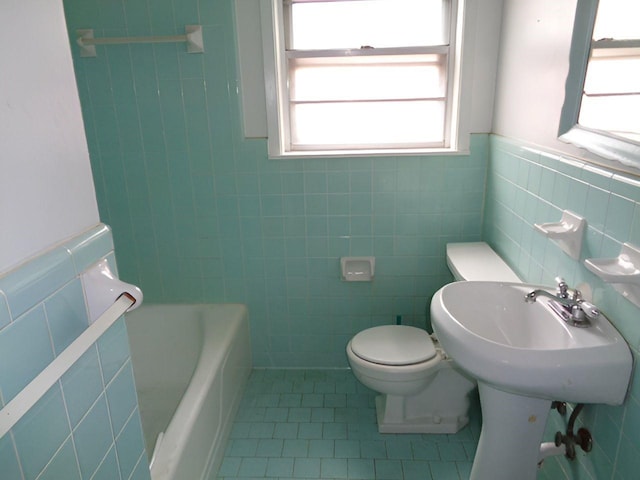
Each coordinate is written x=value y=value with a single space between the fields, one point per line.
x=29 y=395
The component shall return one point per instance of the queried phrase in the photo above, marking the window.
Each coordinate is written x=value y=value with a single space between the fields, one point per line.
x=605 y=70
x=362 y=76
x=611 y=93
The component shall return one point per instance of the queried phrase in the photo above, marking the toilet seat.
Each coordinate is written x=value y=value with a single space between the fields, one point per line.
x=395 y=345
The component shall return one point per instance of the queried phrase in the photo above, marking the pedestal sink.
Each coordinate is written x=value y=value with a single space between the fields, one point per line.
x=524 y=356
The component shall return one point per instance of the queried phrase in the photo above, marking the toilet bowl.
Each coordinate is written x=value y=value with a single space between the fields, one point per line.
x=421 y=389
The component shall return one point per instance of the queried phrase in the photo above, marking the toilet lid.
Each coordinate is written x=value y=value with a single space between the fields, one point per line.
x=393 y=345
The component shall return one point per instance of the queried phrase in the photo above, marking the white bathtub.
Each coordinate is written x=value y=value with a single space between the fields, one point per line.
x=191 y=364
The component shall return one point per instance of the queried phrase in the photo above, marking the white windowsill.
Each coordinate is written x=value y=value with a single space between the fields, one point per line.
x=414 y=152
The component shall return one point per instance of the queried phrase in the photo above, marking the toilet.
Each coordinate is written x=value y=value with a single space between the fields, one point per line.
x=421 y=389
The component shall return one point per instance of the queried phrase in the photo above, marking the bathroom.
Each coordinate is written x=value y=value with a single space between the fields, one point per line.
x=200 y=214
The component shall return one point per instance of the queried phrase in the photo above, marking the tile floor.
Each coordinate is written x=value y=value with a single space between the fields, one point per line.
x=298 y=424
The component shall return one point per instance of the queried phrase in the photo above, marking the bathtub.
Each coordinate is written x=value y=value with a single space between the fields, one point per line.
x=191 y=364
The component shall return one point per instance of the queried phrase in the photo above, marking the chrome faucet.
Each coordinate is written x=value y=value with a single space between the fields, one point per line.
x=567 y=303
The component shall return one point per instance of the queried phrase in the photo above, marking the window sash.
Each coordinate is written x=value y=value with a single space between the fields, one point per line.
x=335 y=109
x=340 y=78
x=313 y=21
x=611 y=85
x=366 y=125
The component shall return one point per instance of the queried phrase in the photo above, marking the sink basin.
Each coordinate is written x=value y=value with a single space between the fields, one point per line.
x=526 y=348
x=524 y=356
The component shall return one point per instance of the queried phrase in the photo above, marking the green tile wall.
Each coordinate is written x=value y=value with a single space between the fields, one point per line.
x=200 y=214
x=87 y=426
x=526 y=186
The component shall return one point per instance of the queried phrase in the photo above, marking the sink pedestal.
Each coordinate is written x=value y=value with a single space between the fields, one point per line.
x=512 y=430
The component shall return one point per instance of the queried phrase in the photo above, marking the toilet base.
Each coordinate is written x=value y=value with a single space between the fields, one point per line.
x=426 y=424
x=442 y=407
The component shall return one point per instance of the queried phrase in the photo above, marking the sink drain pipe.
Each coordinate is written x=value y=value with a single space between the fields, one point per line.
x=549 y=449
x=566 y=443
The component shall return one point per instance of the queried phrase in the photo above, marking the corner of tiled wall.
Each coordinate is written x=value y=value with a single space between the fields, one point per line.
x=87 y=425
x=528 y=185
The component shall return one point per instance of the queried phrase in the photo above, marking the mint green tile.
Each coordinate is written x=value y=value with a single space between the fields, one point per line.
x=597 y=176
x=130 y=446
x=561 y=190
x=270 y=183
x=444 y=470
x=269 y=447
x=360 y=204
x=628 y=461
x=362 y=246
x=93 y=437
x=25 y=350
x=32 y=282
x=137 y=15
x=452 y=451
x=292 y=182
x=338 y=225
x=229 y=467
x=243 y=447
x=88 y=248
x=113 y=349
x=338 y=204
x=279 y=467
x=619 y=213
x=388 y=469
x=306 y=468
x=360 y=468
x=9 y=460
x=361 y=225
x=82 y=384
x=293 y=204
x=416 y=470
x=464 y=469
x=295 y=447
x=625 y=186
x=121 y=397
x=333 y=468
x=315 y=182
x=253 y=467
x=596 y=207
x=309 y=431
x=63 y=465
x=338 y=182
x=41 y=432
x=66 y=315
x=360 y=181
x=141 y=470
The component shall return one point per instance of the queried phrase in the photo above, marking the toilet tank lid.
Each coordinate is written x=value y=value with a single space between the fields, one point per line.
x=393 y=345
x=478 y=261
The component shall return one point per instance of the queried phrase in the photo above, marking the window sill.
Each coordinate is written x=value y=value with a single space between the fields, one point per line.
x=606 y=146
x=390 y=152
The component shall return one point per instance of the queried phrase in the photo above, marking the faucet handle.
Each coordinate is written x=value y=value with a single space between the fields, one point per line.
x=591 y=311
x=563 y=288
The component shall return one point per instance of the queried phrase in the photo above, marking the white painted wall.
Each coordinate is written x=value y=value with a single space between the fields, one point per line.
x=532 y=68
x=46 y=189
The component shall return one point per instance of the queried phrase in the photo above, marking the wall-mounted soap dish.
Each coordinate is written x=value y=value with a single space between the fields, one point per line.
x=358 y=269
x=623 y=272
x=567 y=233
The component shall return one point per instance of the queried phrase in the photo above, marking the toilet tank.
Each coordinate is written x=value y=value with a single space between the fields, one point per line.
x=476 y=261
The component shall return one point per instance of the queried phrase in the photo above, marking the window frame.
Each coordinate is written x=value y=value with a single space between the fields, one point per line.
x=600 y=142
x=276 y=79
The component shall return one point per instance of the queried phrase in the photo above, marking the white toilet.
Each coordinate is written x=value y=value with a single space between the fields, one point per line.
x=422 y=391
